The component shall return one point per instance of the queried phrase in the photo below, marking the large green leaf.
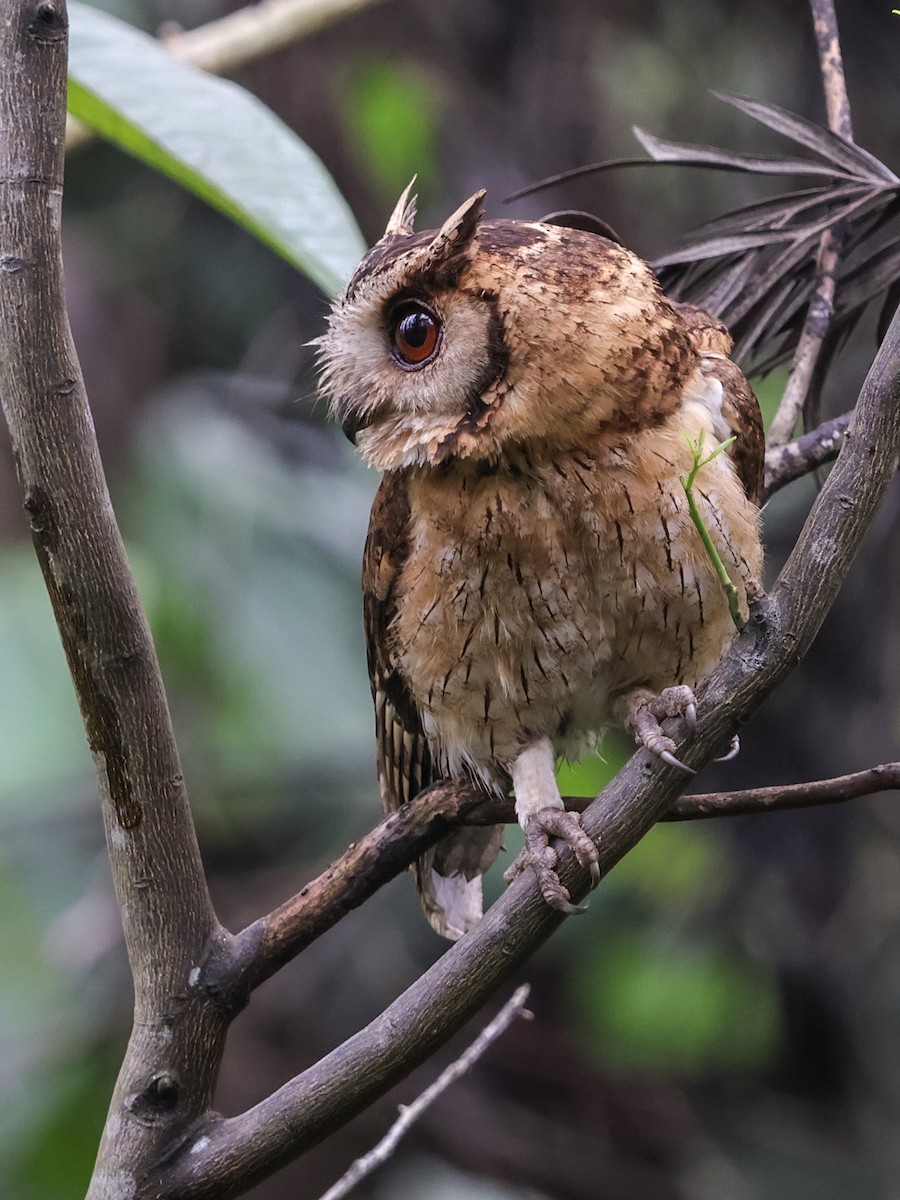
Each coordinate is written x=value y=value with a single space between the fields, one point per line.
x=216 y=139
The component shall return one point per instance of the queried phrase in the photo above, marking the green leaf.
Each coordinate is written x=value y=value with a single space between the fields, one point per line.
x=215 y=139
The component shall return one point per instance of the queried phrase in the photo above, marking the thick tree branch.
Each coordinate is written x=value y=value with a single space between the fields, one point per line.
x=227 y=1155
x=156 y=866
x=821 y=306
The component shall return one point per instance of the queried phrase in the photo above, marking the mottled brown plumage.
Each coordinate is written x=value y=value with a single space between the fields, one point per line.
x=532 y=574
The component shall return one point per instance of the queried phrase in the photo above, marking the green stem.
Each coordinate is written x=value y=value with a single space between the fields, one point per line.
x=731 y=592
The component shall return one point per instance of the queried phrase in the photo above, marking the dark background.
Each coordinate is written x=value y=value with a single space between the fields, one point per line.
x=723 y=1024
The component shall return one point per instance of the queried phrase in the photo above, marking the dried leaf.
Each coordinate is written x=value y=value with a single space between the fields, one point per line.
x=879 y=271
x=756 y=267
x=778 y=211
x=688 y=154
x=716 y=247
x=843 y=154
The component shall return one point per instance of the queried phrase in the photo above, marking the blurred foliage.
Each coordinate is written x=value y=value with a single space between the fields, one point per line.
x=661 y=1005
x=722 y=1022
x=42 y=697
x=389 y=111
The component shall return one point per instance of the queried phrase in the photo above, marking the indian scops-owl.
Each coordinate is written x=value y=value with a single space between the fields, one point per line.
x=532 y=573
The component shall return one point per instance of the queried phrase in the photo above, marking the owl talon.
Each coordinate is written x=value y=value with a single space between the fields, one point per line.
x=672 y=761
x=644 y=711
x=733 y=750
x=541 y=857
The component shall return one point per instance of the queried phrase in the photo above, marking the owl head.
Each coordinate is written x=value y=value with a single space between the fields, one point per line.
x=481 y=336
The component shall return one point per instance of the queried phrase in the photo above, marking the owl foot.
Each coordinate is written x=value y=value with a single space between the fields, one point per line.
x=541 y=858
x=644 y=713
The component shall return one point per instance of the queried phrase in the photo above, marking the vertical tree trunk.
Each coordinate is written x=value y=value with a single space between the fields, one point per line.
x=168 y=918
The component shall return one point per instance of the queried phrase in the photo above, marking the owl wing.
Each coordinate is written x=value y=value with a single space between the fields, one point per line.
x=403 y=755
x=448 y=877
x=740 y=408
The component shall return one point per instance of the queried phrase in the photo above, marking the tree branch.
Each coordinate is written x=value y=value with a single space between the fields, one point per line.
x=821 y=305
x=265 y=946
x=883 y=778
x=227 y=1155
x=234 y=969
x=786 y=463
x=167 y=914
x=254 y=31
x=831 y=65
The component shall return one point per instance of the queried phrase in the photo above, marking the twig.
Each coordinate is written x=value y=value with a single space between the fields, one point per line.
x=687 y=482
x=222 y=46
x=809 y=345
x=821 y=306
x=514 y=1007
x=799 y=457
x=831 y=64
x=883 y=778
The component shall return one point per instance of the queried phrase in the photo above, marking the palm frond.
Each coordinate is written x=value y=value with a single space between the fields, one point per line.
x=755 y=268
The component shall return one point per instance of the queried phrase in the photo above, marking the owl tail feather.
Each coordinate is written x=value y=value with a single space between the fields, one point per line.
x=449 y=879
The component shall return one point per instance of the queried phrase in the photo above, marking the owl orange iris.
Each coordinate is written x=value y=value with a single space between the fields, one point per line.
x=415 y=334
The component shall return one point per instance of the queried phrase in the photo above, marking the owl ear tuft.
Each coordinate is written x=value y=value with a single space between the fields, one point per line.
x=402 y=219
x=459 y=228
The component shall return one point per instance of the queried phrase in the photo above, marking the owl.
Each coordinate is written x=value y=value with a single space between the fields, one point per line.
x=532 y=574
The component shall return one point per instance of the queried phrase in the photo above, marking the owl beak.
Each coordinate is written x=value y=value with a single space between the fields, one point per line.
x=354 y=422
x=351 y=429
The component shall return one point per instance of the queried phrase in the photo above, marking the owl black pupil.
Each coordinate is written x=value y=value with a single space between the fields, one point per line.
x=414 y=329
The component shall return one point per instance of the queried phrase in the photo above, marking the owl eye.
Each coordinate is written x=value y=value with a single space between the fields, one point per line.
x=415 y=334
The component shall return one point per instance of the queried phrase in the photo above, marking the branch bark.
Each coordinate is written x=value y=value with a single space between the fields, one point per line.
x=167 y=914
x=883 y=778
x=786 y=463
